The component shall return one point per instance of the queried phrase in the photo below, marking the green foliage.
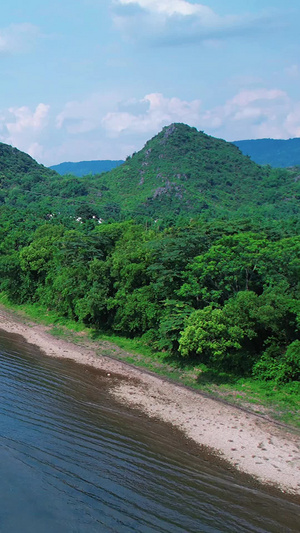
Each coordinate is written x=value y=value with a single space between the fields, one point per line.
x=221 y=335
x=277 y=366
x=234 y=335
x=197 y=251
x=171 y=324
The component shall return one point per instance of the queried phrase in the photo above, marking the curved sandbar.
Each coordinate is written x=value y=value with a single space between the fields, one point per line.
x=250 y=443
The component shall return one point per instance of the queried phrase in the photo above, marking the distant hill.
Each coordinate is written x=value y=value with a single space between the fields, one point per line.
x=274 y=152
x=83 y=168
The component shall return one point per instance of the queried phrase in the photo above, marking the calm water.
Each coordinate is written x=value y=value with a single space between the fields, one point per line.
x=74 y=460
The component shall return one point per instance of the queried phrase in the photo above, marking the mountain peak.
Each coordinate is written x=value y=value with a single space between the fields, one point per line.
x=184 y=170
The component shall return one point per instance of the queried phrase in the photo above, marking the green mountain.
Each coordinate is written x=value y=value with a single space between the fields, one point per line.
x=183 y=171
x=13 y=162
x=197 y=252
x=83 y=168
x=274 y=152
x=22 y=179
x=180 y=172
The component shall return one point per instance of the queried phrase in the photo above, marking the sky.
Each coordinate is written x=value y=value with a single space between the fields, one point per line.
x=95 y=79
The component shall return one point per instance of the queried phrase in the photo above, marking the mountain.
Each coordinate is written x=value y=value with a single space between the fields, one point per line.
x=17 y=163
x=22 y=179
x=274 y=152
x=183 y=171
x=180 y=172
x=83 y=168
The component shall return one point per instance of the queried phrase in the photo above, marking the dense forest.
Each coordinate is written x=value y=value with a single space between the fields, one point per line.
x=274 y=152
x=189 y=246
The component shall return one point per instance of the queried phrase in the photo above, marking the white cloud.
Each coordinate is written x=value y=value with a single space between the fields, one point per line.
x=171 y=7
x=253 y=114
x=292 y=121
x=18 y=38
x=25 y=119
x=246 y=97
x=250 y=113
x=22 y=128
x=180 y=21
x=86 y=115
x=105 y=127
x=160 y=111
x=36 y=151
x=143 y=115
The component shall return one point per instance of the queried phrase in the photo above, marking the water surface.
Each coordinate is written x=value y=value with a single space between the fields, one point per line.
x=72 y=459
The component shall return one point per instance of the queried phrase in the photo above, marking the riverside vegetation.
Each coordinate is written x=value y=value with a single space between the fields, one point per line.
x=189 y=248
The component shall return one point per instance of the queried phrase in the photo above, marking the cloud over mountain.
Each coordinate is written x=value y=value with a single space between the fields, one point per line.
x=109 y=127
x=23 y=128
x=158 y=112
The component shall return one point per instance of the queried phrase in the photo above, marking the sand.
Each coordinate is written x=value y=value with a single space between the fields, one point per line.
x=252 y=444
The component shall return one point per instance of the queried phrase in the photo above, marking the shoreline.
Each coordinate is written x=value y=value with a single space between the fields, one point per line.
x=251 y=444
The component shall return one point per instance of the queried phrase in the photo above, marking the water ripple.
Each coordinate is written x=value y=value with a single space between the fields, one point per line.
x=72 y=459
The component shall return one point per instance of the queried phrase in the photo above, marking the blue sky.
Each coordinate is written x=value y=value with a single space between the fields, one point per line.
x=95 y=79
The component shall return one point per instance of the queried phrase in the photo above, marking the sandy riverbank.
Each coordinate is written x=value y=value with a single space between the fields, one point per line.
x=250 y=443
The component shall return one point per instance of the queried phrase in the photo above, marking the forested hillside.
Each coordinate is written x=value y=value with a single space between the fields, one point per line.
x=189 y=246
x=274 y=152
x=83 y=168
x=185 y=172
x=179 y=173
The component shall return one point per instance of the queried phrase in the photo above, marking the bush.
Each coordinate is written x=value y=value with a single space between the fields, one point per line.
x=281 y=368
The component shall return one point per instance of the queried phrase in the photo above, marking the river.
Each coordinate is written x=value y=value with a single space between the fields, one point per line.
x=72 y=460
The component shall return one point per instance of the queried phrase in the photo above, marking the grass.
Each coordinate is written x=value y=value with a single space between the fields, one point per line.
x=281 y=403
x=40 y=314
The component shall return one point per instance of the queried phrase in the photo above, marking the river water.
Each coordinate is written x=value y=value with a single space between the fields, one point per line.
x=72 y=459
